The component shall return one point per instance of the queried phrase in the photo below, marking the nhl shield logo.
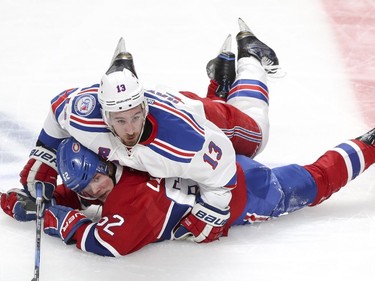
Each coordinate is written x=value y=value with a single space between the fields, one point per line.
x=85 y=104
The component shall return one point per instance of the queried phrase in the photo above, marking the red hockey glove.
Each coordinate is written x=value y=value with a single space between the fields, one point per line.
x=17 y=204
x=204 y=224
x=42 y=168
x=63 y=222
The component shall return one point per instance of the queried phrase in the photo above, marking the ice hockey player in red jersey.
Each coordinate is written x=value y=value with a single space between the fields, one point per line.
x=138 y=209
x=162 y=132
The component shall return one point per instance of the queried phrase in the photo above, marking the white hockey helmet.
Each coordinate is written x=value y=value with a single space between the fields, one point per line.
x=120 y=90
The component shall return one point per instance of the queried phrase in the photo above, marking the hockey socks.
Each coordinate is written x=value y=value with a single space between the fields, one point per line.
x=339 y=166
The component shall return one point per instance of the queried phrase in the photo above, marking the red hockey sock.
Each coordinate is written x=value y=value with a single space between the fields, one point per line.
x=338 y=166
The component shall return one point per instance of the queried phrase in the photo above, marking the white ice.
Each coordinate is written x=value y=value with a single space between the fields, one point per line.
x=49 y=46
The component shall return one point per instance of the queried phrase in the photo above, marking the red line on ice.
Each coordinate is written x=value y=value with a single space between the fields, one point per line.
x=354 y=25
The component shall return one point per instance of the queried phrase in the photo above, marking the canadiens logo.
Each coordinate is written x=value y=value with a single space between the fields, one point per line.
x=76 y=147
x=85 y=105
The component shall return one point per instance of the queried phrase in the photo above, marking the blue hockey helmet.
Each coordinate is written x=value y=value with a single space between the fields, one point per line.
x=78 y=165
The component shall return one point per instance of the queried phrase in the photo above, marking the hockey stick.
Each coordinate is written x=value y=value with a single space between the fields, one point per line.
x=39 y=199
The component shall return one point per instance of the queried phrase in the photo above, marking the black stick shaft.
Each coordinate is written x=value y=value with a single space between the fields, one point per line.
x=39 y=200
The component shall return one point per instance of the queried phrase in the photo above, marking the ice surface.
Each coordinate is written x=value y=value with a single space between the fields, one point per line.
x=48 y=46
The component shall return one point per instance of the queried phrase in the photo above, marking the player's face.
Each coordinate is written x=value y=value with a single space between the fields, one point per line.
x=99 y=187
x=128 y=124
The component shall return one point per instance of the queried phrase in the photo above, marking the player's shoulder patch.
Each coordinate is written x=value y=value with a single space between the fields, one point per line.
x=84 y=105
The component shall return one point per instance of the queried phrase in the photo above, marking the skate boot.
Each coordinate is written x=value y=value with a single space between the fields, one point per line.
x=121 y=59
x=249 y=45
x=222 y=69
x=368 y=138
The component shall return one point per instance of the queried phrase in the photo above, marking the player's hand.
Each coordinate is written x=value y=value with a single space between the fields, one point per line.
x=17 y=204
x=204 y=224
x=42 y=168
x=63 y=222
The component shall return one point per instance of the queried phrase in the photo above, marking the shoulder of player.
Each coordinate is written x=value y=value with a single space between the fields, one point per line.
x=84 y=102
x=66 y=97
x=72 y=92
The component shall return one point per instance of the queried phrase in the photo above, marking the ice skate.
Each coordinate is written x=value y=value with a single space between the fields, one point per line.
x=121 y=59
x=249 y=45
x=222 y=69
x=368 y=138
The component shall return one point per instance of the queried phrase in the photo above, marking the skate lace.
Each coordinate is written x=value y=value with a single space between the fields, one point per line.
x=273 y=71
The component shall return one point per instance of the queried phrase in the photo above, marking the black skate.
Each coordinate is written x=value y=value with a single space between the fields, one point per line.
x=121 y=59
x=222 y=69
x=368 y=138
x=249 y=45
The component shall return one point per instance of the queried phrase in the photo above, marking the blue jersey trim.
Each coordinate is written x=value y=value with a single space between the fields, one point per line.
x=49 y=141
x=92 y=245
x=178 y=212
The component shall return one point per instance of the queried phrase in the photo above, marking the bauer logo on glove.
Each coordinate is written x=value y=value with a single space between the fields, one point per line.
x=42 y=168
x=41 y=154
x=213 y=220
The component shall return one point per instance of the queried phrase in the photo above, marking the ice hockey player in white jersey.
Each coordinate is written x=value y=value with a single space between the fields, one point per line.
x=166 y=133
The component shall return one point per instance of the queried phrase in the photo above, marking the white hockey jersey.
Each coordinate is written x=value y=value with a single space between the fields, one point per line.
x=183 y=142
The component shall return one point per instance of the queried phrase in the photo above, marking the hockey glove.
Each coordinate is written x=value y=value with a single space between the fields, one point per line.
x=17 y=204
x=204 y=224
x=42 y=168
x=63 y=222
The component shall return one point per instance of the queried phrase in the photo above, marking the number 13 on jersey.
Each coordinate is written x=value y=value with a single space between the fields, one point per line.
x=214 y=155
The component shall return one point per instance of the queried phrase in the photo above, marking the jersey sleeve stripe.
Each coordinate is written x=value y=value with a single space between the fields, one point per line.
x=249 y=88
x=251 y=83
x=166 y=220
x=353 y=158
x=170 y=154
x=106 y=245
x=175 y=213
x=91 y=242
x=82 y=244
x=91 y=125
x=243 y=133
x=89 y=122
x=92 y=89
x=172 y=149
